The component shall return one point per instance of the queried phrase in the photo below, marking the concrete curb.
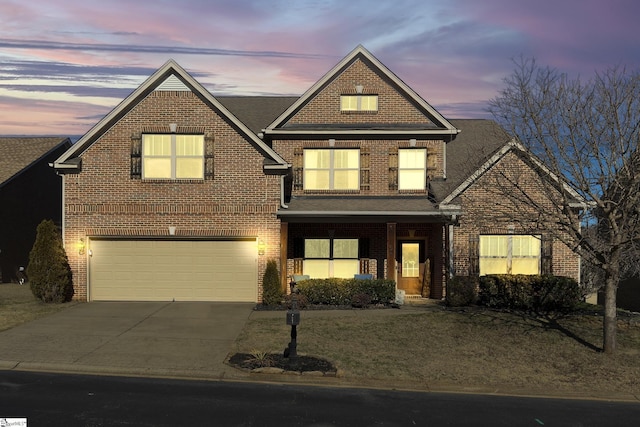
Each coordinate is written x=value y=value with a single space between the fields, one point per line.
x=231 y=374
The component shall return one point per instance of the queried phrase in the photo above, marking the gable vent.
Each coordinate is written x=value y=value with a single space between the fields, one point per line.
x=172 y=83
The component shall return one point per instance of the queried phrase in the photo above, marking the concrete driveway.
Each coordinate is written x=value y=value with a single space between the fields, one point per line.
x=174 y=339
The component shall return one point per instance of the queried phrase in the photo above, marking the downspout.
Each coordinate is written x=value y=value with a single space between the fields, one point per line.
x=64 y=221
x=444 y=161
x=451 y=251
x=283 y=205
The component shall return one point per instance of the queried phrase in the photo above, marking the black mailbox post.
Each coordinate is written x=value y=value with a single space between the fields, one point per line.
x=293 y=319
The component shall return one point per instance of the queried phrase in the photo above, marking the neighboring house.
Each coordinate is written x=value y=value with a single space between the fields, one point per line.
x=180 y=195
x=29 y=192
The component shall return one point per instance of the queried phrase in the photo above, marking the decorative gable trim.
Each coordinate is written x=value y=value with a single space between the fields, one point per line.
x=442 y=124
x=172 y=75
x=172 y=83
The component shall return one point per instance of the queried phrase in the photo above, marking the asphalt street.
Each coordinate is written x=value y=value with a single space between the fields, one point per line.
x=47 y=399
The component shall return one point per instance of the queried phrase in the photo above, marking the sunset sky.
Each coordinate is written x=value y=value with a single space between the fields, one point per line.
x=64 y=64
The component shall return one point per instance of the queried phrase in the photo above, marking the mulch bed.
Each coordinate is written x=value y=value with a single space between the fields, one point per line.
x=300 y=364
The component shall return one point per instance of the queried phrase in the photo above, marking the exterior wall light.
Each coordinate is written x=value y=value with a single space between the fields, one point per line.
x=262 y=247
x=81 y=247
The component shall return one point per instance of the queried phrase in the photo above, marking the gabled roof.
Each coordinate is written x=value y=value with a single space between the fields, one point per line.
x=257 y=112
x=475 y=151
x=171 y=75
x=441 y=125
x=478 y=140
x=17 y=154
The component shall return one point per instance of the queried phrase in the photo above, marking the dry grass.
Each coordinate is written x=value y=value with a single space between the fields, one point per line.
x=474 y=347
x=18 y=305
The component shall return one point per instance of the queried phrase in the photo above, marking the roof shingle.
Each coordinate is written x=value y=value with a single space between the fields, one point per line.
x=19 y=153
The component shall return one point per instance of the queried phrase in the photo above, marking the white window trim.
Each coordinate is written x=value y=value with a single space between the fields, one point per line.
x=422 y=169
x=332 y=169
x=331 y=258
x=509 y=257
x=173 y=157
x=358 y=99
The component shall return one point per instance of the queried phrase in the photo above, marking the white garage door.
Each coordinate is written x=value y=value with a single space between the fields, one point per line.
x=168 y=270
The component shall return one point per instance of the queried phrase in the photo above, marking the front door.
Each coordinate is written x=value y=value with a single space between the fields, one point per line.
x=411 y=266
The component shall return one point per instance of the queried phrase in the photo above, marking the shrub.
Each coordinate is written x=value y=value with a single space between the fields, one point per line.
x=336 y=291
x=361 y=300
x=531 y=293
x=48 y=270
x=271 y=288
x=461 y=291
x=302 y=301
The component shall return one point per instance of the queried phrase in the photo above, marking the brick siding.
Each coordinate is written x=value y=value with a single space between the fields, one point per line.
x=103 y=199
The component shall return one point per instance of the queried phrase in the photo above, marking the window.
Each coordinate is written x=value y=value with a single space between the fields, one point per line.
x=331 y=169
x=412 y=169
x=331 y=258
x=509 y=254
x=359 y=103
x=171 y=156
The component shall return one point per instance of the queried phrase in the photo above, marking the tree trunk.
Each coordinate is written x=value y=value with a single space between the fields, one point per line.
x=610 y=313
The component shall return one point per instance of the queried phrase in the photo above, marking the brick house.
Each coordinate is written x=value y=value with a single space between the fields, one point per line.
x=180 y=195
x=29 y=193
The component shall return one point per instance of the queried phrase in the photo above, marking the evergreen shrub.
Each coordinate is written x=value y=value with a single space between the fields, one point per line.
x=537 y=293
x=335 y=291
x=461 y=291
x=48 y=270
x=272 y=293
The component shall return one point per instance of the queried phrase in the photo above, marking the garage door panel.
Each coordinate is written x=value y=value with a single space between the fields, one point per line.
x=165 y=270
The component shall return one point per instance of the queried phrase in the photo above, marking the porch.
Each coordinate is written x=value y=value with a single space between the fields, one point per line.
x=414 y=254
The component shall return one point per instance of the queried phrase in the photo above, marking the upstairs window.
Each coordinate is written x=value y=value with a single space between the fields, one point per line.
x=172 y=156
x=359 y=103
x=412 y=171
x=331 y=169
x=510 y=254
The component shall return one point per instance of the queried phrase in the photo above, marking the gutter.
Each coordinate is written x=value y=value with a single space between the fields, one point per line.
x=452 y=213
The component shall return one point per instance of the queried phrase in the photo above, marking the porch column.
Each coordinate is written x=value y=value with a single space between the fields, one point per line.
x=391 y=250
x=284 y=238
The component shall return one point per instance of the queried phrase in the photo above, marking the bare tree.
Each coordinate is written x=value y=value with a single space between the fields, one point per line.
x=585 y=133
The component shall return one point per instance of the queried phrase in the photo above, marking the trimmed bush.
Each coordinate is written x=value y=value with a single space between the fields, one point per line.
x=461 y=291
x=48 y=270
x=301 y=301
x=336 y=291
x=361 y=300
x=530 y=293
x=272 y=293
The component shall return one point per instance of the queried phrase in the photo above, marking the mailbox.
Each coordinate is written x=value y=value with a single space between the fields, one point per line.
x=293 y=317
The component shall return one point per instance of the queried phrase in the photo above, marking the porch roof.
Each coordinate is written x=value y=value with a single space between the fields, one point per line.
x=368 y=209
